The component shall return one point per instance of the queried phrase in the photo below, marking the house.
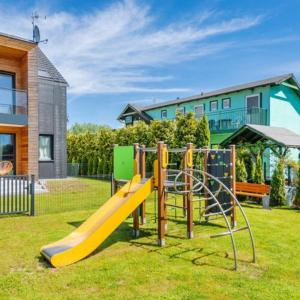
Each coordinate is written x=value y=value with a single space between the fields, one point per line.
x=273 y=102
x=32 y=110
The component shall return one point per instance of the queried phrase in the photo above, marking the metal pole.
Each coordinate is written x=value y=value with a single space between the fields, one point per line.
x=32 y=194
x=233 y=186
x=205 y=179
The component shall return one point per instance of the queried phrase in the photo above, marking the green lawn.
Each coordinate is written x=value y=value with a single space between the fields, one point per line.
x=72 y=194
x=127 y=268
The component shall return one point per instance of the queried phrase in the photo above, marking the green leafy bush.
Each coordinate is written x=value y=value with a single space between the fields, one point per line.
x=277 y=195
x=241 y=172
x=259 y=174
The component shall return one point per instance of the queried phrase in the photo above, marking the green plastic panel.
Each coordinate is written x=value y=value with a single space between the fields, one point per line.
x=123 y=162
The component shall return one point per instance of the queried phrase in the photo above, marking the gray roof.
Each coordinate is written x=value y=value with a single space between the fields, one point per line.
x=47 y=70
x=137 y=109
x=254 y=133
x=236 y=88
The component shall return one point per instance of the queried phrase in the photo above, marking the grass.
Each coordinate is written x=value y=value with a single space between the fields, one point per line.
x=72 y=194
x=127 y=268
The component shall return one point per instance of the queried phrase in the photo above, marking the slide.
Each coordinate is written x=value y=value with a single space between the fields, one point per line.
x=86 y=238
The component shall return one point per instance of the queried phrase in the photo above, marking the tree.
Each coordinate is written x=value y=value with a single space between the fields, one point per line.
x=95 y=165
x=277 y=195
x=83 y=166
x=186 y=127
x=202 y=138
x=99 y=167
x=85 y=127
x=90 y=167
x=162 y=131
x=252 y=170
x=241 y=172
x=259 y=174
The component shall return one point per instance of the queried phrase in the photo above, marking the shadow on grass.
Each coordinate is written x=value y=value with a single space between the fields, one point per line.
x=124 y=234
x=197 y=261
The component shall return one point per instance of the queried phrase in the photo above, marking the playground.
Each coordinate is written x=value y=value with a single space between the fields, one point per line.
x=124 y=267
x=190 y=239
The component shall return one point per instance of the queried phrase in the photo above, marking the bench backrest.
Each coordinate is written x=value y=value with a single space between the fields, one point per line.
x=252 y=188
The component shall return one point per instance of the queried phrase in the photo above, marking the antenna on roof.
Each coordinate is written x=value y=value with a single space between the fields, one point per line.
x=36 y=36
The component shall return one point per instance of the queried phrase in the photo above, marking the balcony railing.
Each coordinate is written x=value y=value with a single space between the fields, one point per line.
x=13 y=106
x=236 y=118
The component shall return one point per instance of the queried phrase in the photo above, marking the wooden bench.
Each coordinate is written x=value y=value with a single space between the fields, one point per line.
x=252 y=189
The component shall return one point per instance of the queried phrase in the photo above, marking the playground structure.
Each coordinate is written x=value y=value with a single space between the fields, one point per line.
x=205 y=177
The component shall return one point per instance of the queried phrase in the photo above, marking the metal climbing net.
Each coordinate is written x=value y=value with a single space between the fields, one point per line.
x=200 y=187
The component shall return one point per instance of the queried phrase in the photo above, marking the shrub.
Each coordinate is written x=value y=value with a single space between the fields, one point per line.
x=277 y=196
x=259 y=174
x=186 y=127
x=202 y=138
x=90 y=167
x=241 y=172
x=95 y=166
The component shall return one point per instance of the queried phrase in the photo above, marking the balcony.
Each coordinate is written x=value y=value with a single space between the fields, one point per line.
x=13 y=107
x=235 y=118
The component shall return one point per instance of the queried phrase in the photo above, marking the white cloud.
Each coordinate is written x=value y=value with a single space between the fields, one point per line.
x=114 y=50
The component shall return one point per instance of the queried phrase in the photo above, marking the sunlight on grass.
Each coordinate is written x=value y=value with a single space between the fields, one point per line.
x=127 y=268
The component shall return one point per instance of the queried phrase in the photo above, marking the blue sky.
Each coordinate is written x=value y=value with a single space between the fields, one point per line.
x=115 y=52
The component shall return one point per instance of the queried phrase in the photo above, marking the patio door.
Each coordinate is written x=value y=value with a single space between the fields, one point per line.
x=8 y=148
x=253 y=104
x=7 y=93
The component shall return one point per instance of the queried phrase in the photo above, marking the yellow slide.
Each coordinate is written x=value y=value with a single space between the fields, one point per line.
x=86 y=238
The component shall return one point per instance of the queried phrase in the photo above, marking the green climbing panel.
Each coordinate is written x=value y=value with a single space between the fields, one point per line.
x=123 y=162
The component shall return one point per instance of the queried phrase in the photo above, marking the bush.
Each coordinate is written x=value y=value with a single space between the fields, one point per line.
x=277 y=196
x=202 y=133
x=241 y=172
x=186 y=127
x=259 y=174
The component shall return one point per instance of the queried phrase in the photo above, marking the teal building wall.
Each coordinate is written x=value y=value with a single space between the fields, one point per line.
x=285 y=111
x=238 y=101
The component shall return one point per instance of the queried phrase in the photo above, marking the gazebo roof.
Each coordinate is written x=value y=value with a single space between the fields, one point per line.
x=254 y=133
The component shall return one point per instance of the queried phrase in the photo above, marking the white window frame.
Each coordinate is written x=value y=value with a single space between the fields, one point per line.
x=181 y=109
x=229 y=99
x=203 y=110
x=215 y=101
x=253 y=95
x=50 y=151
x=162 y=113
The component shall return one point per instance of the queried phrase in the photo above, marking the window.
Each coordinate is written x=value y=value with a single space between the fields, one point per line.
x=253 y=101
x=128 y=120
x=226 y=103
x=164 y=114
x=181 y=110
x=199 y=110
x=7 y=93
x=8 y=148
x=214 y=105
x=46 y=147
